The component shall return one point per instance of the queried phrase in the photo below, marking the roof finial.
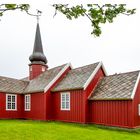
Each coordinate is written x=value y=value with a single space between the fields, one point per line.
x=38 y=14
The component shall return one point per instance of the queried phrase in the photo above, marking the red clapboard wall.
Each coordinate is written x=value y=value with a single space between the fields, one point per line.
x=136 y=102
x=10 y=114
x=38 y=107
x=100 y=73
x=111 y=113
x=76 y=112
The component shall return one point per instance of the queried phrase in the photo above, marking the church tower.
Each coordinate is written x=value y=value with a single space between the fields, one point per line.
x=38 y=59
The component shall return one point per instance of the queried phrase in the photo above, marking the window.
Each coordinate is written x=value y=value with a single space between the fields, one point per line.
x=65 y=101
x=139 y=109
x=27 y=102
x=30 y=68
x=11 y=102
x=43 y=69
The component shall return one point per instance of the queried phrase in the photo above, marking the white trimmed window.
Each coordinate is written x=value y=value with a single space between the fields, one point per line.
x=139 y=109
x=30 y=68
x=27 y=102
x=65 y=101
x=43 y=69
x=11 y=102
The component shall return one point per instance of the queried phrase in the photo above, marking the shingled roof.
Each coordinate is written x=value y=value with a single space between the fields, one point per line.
x=10 y=85
x=45 y=79
x=76 y=78
x=116 y=87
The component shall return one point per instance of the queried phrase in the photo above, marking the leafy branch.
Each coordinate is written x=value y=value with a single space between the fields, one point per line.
x=23 y=7
x=95 y=13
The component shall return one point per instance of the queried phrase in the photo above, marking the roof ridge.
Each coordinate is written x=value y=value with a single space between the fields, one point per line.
x=86 y=65
x=57 y=66
x=122 y=73
x=9 y=78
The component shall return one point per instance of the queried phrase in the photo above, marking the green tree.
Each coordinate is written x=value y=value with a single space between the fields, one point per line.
x=10 y=7
x=95 y=13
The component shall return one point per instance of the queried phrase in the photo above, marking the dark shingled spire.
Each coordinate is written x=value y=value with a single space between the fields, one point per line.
x=38 y=55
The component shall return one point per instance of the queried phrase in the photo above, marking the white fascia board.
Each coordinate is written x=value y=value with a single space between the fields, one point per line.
x=135 y=87
x=92 y=75
x=104 y=69
x=57 y=77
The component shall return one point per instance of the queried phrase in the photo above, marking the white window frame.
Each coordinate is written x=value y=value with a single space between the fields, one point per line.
x=27 y=102
x=30 y=68
x=139 y=109
x=11 y=102
x=43 y=68
x=64 y=94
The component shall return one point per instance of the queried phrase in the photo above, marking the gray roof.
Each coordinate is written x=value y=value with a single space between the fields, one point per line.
x=39 y=83
x=10 y=85
x=76 y=78
x=115 y=87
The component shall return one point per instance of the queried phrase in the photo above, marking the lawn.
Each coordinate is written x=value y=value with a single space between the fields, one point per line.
x=38 y=130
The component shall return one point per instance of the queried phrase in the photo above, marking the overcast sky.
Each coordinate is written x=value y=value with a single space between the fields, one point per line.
x=67 y=41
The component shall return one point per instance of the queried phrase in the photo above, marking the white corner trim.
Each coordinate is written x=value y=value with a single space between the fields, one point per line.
x=135 y=87
x=92 y=75
x=57 y=76
x=104 y=69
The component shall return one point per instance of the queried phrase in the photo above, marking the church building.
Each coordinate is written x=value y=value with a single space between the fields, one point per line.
x=85 y=95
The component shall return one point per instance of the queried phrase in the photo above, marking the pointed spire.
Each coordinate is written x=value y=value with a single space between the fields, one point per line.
x=38 y=55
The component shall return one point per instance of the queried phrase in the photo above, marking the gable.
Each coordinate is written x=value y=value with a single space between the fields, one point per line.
x=78 y=78
x=45 y=80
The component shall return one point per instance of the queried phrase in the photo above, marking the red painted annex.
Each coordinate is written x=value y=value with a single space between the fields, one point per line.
x=84 y=95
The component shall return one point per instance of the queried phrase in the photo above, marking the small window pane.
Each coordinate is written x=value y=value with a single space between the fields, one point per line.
x=9 y=98
x=67 y=105
x=9 y=105
x=13 y=105
x=13 y=98
x=67 y=97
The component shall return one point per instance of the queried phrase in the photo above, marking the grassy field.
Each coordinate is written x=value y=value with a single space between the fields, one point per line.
x=36 y=130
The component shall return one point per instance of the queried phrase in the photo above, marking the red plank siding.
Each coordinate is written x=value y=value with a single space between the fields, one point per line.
x=89 y=89
x=75 y=114
x=49 y=97
x=36 y=69
x=136 y=101
x=111 y=113
x=38 y=107
x=14 y=114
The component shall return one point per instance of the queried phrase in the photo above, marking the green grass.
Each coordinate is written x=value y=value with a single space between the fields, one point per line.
x=39 y=130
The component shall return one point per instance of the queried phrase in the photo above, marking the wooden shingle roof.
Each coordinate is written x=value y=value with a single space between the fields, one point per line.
x=11 y=85
x=76 y=78
x=43 y=80
x=116 y=87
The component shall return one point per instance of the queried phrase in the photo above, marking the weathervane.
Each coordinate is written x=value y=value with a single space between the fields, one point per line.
x=38 y=14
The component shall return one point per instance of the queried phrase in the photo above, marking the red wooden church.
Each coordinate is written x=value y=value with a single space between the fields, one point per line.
x=81 y=95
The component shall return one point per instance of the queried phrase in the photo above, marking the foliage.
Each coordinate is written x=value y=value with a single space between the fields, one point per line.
x=23 y=7
x=9 y=7
x=37 y=130
x=95 y=13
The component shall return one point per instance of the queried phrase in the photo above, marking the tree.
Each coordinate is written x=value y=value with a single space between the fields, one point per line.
x=95 y=13
x=23 y=7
